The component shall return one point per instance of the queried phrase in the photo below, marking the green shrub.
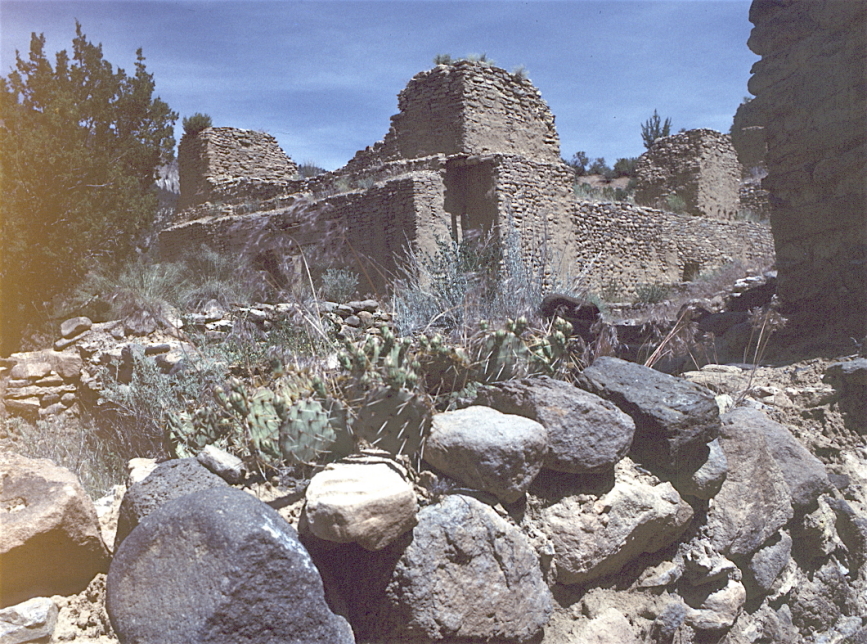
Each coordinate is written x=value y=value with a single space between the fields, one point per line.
x=71 y=443
x=338 y=285
x=442 y=59
x=625 y=167
x=675 y=204
x=651 y=293
x=520 y=72
x=600 y=167
x=196 y=123
x=309 y=169
x=578 y=163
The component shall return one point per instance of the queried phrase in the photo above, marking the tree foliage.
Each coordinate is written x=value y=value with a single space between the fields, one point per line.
x=80 y=143
x=196 y=123
x=653 y=128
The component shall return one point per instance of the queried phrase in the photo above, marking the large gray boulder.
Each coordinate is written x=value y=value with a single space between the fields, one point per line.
x=804 y=473
x=50 y=541
x=594 y=536
x=585 y=433
x=169 y=480
x=487 y=450
x=674 y=419
x=466 y=574
x=754 y=501
x=218 y=566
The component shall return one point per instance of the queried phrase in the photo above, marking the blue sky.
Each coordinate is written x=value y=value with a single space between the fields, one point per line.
x=322 y=76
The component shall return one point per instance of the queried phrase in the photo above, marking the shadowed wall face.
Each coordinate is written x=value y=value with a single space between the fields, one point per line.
x=811 y=98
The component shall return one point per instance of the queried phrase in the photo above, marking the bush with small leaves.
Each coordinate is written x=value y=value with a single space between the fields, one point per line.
x=196 y=123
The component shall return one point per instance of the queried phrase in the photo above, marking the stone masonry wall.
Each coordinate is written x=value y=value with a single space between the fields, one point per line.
x=222 y=162
x=466 y=108
x=623 y=246
x=366 y=229
x=811 y=98
x=700 y=166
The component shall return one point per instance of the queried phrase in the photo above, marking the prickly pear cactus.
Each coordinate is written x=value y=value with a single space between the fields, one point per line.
x=396 y=420
x=311 y=430
x=443 y=368
x=502 y=354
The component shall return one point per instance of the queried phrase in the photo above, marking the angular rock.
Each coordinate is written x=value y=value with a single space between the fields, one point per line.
x=29 y=621
x=73 y=326
x=227 y=466
x=487 y=450
x=466 y=574
x=609 y=627
x=46 y=518
x=720 y=609
x=371 y=504
x=707 y=480
x=769 y=561
x=804 y=473
x=585 y=433
x=667 y=622
x=596 y=536
x=754 y=501
x=218 y=566
x=674 y=419
x=30 y=370
x=170 y=480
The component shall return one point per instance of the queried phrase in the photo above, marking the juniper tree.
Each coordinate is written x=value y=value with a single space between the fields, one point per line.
x=80 y=144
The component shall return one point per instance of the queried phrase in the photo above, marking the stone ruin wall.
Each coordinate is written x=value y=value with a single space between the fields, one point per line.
x=623 y=247
x=222 y=163
x=487 y=157
x=700 y=166
x=466 y=109
x=811 y=98
x=366 y=230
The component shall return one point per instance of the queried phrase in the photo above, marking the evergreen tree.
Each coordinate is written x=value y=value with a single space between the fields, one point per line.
x=80 y=145
x=653 y=128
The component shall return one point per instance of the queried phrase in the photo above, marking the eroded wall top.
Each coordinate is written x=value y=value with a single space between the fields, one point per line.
x=467 y=108
x=699 y=166
x=217 y=158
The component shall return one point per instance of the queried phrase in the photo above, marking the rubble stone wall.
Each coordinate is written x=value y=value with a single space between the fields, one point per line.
x=215 y=161
x=466 y=108
x=699 y=166
x=811 y=96
x=367 y=229
x=622 y=247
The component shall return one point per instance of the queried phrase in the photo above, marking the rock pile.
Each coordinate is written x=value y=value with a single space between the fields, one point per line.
x=625 y=509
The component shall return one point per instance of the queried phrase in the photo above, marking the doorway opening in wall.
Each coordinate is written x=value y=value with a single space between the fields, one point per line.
x=470 y=198
x=691 y=271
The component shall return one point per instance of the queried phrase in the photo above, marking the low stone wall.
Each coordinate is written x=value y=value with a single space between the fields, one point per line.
x=368 y=230
x=811 y=98
x=699 y=166
x=622 y=247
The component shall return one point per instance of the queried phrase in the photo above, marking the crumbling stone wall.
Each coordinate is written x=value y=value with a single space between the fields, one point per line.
x=466 y=108
x=472 y=150
x=224 y=162
x=811 y=99
x=699 y=166
x=623 y=247
x=366 y=229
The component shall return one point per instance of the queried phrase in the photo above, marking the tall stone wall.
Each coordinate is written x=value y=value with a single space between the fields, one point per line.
x=699 y=166
x=466 y=108
x=623 y=247
x=811 y=98
x=225 y=162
